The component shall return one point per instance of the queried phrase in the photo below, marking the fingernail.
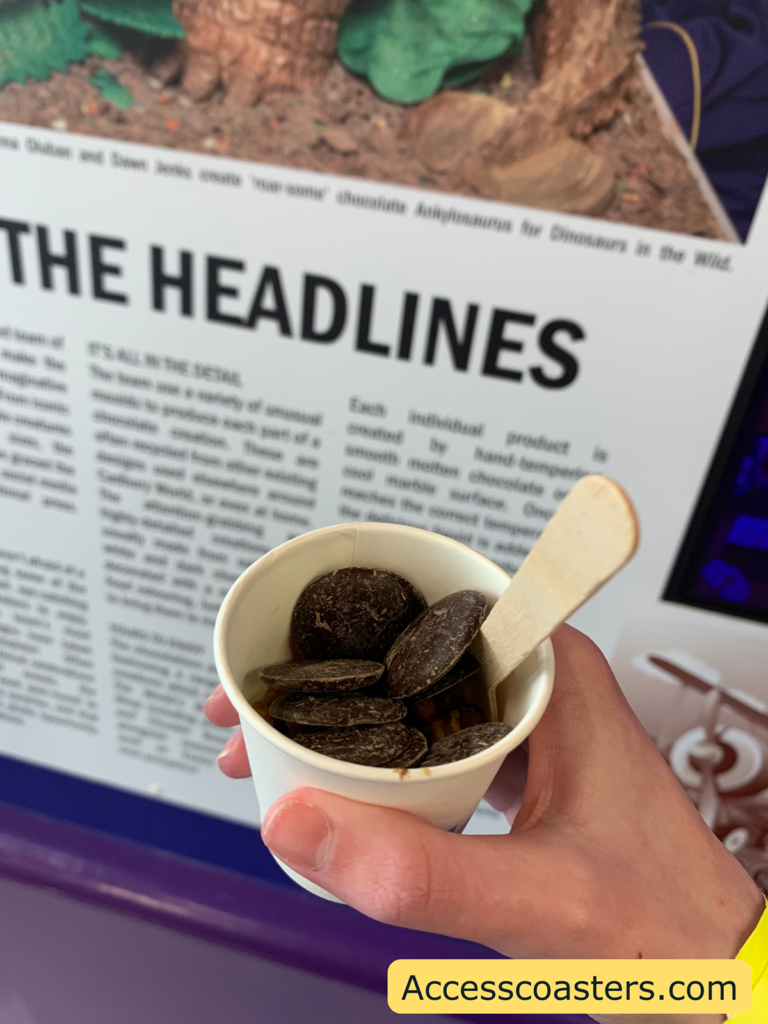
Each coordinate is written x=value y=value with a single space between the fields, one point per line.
x=226 y=749
x=298 y=833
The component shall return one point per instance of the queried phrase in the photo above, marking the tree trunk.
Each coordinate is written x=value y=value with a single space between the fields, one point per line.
x=249 y=46
x=584 y=52
x=583 y=48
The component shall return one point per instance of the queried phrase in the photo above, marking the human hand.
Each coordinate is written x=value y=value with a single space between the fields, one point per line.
x=607 y=857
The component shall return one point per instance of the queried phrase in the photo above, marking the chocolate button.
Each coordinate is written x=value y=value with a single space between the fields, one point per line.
x=369 y=744
x=417 y=604
x=322 y=676
x=464 y=669
x=466 y=743
x=351 y=613
x=334 y=710
x=413 y=753
x=433 y=643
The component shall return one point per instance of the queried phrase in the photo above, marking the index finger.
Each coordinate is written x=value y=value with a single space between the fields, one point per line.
x=218 y=709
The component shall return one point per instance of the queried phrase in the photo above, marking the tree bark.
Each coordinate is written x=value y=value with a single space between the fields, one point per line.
x=249 y=46
x=584 y=52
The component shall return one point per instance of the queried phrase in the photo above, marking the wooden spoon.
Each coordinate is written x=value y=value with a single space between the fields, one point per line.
x=591 y=536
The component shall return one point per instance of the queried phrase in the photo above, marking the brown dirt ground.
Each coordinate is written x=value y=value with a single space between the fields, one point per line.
x=344 y=128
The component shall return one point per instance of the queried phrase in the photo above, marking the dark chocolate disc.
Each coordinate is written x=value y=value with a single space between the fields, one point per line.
x=367 y=744
x=464 y=669
x=336 y=710
x=322 y=676
x=416 y=598
x=413 y=753
x=466 y=743
x=350 y=613
x=433 y=643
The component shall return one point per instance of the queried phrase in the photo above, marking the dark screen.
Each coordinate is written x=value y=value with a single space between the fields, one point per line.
x=722 y=564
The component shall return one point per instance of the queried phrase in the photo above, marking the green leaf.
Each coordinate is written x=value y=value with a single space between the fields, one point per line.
x=103 y=45
x=111 y=90
x=36 y=39
x=154 y=17
x=407 y=48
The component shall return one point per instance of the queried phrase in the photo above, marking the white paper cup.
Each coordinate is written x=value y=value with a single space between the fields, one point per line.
x=252 y=631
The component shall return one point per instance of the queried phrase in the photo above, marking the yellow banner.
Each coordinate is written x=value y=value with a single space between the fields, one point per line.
x=569 y=986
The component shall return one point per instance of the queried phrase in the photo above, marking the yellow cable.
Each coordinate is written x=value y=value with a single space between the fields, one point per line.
x=695 y=74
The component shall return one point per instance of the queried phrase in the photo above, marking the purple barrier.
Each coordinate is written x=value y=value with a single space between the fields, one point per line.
x=270 y=922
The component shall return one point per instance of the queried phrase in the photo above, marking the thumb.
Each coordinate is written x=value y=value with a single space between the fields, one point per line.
x=402 y=870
